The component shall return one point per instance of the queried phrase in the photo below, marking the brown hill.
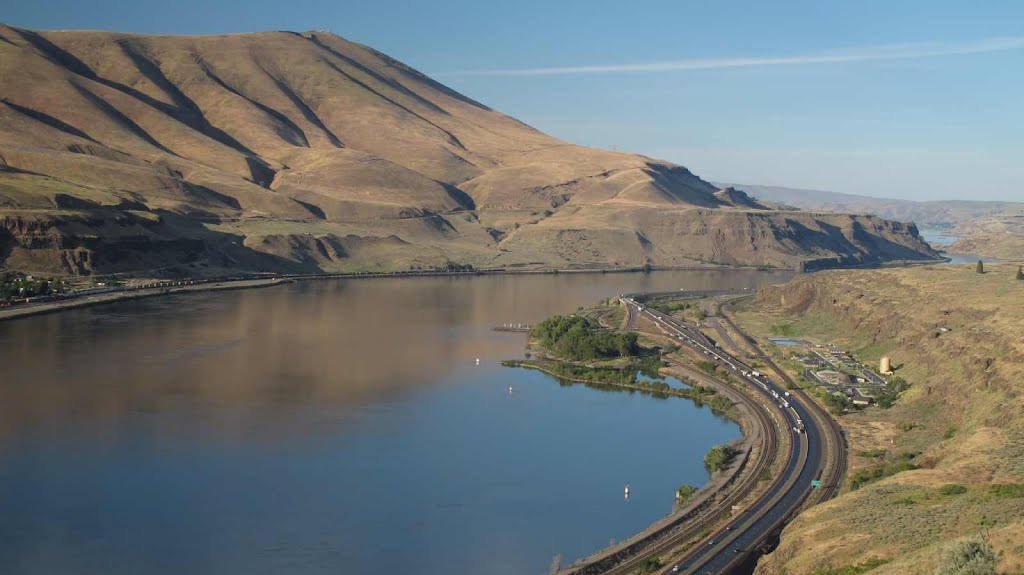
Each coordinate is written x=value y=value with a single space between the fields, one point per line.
x=1000 y=236
x=306 y=152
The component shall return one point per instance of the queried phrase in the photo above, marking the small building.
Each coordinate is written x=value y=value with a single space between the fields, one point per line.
x=831 y=377
x=858 y=398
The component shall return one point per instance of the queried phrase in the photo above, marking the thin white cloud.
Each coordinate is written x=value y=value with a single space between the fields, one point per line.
x=862 y=54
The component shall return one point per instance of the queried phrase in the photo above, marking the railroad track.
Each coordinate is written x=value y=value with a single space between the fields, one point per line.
x=723 y=509
x=666 y=540
x=765 y=507
x=836 y=438
x=732 y=545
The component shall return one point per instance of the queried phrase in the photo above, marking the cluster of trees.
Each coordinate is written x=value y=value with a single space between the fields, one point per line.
x=578 y=338
x=18 y=285
x=837 y=403
x=454 y=267
x=590 y=375
x=719 y=457
x=887 y=397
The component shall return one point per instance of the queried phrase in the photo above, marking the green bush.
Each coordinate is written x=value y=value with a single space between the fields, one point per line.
x=719 y=458
x=968 y=557
x=685 y=492
x=837 y=403
x=851 y=569
x=707 y=367
x=872 y=474
x=1006 y=490
x=887 y=398
x=952 y=489
x=649 y=565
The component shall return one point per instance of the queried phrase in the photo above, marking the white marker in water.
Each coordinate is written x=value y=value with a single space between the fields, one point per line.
x=478 y=361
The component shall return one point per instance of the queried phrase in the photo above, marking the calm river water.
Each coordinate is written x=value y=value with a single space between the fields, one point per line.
x=335 y=427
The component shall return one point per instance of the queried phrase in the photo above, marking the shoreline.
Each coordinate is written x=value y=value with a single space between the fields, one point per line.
x=72 y=301
x=758 y=439
x=30 y=310
x=173 y=287
x=732 y=414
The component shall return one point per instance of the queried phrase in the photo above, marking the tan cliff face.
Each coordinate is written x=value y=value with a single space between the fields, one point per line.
x=306 y=152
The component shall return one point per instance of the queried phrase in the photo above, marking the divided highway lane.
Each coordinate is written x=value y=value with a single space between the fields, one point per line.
x=730 y=546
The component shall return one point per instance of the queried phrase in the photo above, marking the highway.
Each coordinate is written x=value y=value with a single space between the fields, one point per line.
x=729 y=547
x=834 y=434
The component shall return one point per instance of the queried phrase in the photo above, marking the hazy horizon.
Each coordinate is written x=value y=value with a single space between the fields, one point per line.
x=909 y=102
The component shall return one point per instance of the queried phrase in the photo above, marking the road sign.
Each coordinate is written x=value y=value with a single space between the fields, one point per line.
x=815 y=483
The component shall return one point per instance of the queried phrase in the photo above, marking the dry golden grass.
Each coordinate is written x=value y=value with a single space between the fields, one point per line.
x=963 y=416
x=328 y=137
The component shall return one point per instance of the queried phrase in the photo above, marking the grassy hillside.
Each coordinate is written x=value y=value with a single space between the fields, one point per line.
x=306 y=152
x=948 y=459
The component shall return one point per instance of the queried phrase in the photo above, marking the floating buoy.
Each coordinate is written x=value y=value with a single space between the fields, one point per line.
x=510 y=390
x=626 y=491
x=478 y=361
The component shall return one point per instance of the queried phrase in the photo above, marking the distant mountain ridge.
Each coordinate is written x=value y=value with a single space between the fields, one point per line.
x=304 y=152
x=940 y=213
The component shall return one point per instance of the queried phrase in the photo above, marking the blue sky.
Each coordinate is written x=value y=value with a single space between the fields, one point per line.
x=910 y=99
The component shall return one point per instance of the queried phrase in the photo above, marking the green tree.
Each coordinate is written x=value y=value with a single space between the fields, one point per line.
x=981 y=267
x=887 y=398
x=1020 y=273
x=837 y=403
x=578 y=338
x=719 y=458
x=968 y=557
x=684 y=493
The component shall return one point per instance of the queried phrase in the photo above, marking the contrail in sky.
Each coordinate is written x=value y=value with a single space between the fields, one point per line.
x=862 y=54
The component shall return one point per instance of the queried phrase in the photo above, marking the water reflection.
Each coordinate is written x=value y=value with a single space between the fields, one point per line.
x=337 y=426
x=332 y=342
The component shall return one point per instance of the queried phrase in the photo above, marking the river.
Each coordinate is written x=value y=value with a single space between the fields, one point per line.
x=337 y=426
x=941 y=239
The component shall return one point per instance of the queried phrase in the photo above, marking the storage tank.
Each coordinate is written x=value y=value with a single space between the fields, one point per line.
x=885 y=366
